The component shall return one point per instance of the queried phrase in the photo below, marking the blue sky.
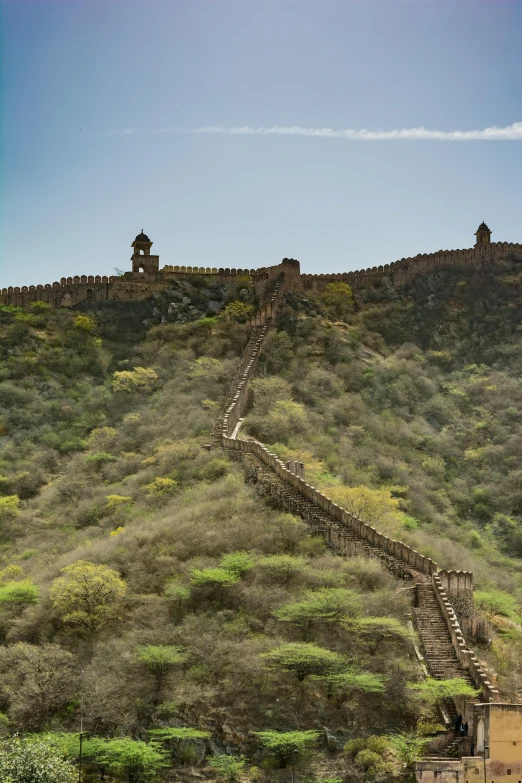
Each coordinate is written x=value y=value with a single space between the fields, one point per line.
x=77 y=186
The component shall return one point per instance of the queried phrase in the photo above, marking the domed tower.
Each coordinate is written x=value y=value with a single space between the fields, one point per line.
x=483 y=235
x=142 y=261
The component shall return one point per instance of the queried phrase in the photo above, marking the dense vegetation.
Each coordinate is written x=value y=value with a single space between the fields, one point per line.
x=144 y=587
x=408 y=411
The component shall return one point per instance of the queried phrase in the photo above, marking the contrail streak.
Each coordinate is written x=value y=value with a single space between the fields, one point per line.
x=494 y=133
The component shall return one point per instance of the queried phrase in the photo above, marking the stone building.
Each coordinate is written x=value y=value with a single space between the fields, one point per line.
x=493 y=752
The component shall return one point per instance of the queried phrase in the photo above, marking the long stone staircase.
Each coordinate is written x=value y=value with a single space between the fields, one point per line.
x=446 y=653
x=256 y=338
x=440 y=654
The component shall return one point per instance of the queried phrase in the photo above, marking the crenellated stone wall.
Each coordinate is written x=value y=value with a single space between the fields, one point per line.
x=404 y=270
x=131 y=286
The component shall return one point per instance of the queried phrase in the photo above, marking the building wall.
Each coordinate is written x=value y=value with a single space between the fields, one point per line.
x=503 y=740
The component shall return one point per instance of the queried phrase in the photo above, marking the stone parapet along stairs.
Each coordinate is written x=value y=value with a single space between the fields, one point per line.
x=441 y=657
x=345 y=531
x=431 y=625
x=446 y=652
x=256 y=337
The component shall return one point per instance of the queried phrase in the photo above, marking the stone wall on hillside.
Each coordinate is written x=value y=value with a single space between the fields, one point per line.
x=138 y=285
x=134 y=286
x=406 y=269
x=444 y=583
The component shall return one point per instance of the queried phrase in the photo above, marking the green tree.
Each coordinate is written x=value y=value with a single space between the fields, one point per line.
x=207 y=368
x=115 y=502
x=434 y=692
x=286 y=419
x=88 y=595
x=237 y=562
x=378 y=632
x=372 y=754
x=304 y=659
x=181 y=741
x=327 y=605
x=9 y=508
x=135 y=761
x=22 y=592
x=288 y=747
x=281 y=568
x=10 y=574
x=84 y=324
x=161 y=488
x=177 y=594
x=375 y=506
x=496 y=603
x=160 y=660
x=342 y=685
x=408 y=748
x=213 y=577
x=34 y=762
x=227 y=768
x=278 y=352
x=269 y=391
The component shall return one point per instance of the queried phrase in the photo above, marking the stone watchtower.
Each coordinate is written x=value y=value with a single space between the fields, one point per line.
x=483 y=235
x=142 y=261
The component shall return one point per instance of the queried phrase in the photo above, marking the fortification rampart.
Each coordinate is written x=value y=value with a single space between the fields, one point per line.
x=136 y=285
x=404 y=270
x=130 y=286
x=442 y=581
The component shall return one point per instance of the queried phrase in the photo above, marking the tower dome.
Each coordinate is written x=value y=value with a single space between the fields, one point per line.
x=142 y=261
x=483 y=235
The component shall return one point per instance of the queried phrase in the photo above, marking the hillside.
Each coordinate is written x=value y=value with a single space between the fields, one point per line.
x=219 y=613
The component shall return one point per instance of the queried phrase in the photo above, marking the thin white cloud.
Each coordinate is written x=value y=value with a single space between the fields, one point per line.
x=509 y=133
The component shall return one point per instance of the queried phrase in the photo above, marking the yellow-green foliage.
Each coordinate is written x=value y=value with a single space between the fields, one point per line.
x=375 y=506
x=436 y=691
x=84 y=324
x=207 y=368
x=161 y=487
x=496 y=603
x=141 y=379
x=9 y=508
x=88 y=595
x=338 y=297
x=118 y=501
x=213 y=577
x=11 y=573
x=237 y=311
x=20 y=592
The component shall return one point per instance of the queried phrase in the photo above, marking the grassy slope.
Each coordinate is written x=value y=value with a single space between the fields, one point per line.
x=70 y=440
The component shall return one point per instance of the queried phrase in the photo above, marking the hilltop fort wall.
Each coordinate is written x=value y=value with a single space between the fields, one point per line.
x=146 y=277
x=404 y=270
